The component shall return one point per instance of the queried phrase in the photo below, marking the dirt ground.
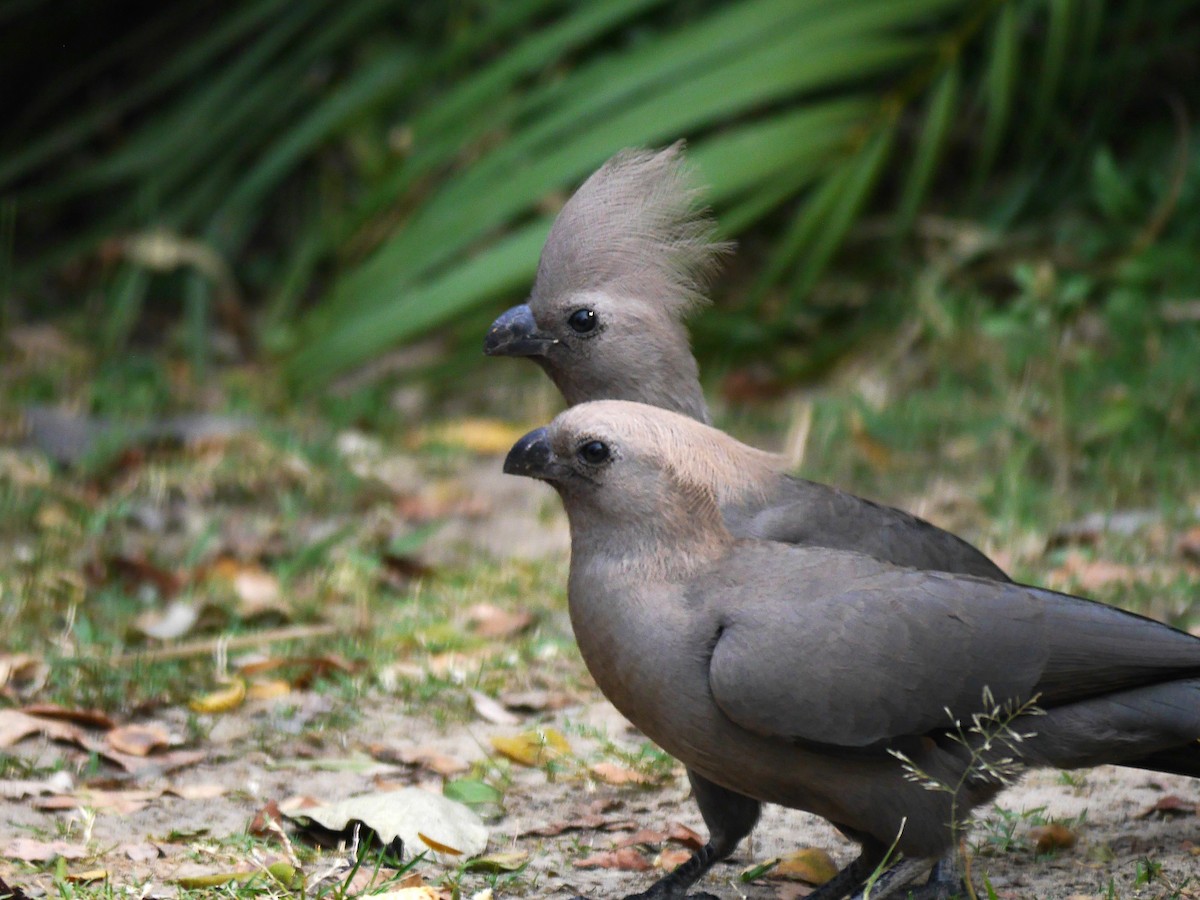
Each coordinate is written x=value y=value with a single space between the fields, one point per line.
x=258 y=755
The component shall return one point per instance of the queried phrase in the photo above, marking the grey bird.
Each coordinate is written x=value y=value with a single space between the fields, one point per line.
x=628 y=258
x=889 y=700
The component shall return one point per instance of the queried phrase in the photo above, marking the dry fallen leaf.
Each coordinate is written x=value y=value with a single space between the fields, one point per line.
x=143 y=852
x=22 y=674
x=89 y=718
x=29 y=850
x=268 y=690
x=671 y=858
x=812 y=865
x=532 y=748
x=203 y=791
x=168 y=624
x=624 y=858
x=490 y=621
x=681 y=834
x=88 y=877
x=492 y=710
x=16 y=726
x=138 y=740
x=1188 y=547
x=411 y=815
x=223 y=700
x=1048 y=838
x=1169 y=806
x=268 y=820
x=611 y=773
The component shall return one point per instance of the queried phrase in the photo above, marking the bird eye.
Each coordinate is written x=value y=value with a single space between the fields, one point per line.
x=594 y=452
x=582 y=321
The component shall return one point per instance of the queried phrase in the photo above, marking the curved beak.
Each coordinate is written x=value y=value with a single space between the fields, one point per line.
x=516 y=333
x=533 y=457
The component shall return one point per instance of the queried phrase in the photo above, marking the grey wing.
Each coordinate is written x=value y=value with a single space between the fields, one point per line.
x=831 y=648
x=812 y=514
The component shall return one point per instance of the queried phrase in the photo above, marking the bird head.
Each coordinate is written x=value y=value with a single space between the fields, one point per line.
x=627 y=259
x=637 y=476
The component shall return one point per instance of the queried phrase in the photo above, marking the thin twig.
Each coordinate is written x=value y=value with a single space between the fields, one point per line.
x=210 y=645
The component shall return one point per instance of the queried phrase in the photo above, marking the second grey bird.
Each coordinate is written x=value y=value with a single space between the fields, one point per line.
x=830 y=681
x=628 y=257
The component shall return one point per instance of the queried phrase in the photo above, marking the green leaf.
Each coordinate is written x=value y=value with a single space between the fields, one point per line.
x=939 y=116
x=999 y=82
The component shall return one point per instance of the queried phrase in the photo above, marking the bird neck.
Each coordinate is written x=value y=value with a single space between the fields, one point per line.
x=670 y=545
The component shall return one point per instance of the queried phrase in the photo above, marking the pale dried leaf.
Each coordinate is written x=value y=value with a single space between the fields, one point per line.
x=138 y=740
x=624 y=858
x=491 y=621
x=611 y=773
x=29 y=850
x=492 y=710
x=204 y=791
x=167 y=625
x=143 y=852
x=408 y=815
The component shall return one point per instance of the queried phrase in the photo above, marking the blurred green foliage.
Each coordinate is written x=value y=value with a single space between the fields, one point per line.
x=330 y=179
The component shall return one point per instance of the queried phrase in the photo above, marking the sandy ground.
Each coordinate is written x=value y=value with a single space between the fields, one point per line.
x=258 y=753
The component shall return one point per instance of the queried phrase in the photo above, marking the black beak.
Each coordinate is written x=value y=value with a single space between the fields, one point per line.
x=515 y=333
x=532 y=457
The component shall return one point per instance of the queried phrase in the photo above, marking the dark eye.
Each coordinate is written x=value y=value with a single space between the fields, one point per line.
x=582 y=321
x=594 y=452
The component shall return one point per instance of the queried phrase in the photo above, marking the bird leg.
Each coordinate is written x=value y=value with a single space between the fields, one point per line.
x=729 y=817
x=895 y=879
x=852 y=877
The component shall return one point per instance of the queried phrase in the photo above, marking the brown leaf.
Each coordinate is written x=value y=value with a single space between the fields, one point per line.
x=134 y=572
x=625 y=858
x=1055 y=836
x=400 y=569
x=490 y=621
x=1168 y=807
x=681 y=834
x=29 y=850
x=611 y=773
x=1189 y=544
x=536 y=701
x=646 y=836
x=121 y=803
x=420 y=758
x=670 y=859
x=89 y=718
x=138 y=740
x=483 y=436
x=15 y=726
x=261 y=825
x=159 y=762
x=812 y=865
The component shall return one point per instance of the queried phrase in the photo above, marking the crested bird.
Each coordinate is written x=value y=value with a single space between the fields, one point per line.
x=628 y=258
x=889 y=700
